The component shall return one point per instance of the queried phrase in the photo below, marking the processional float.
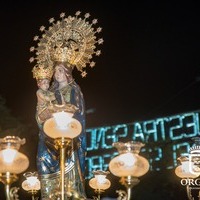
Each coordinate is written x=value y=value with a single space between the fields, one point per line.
x=67 y=43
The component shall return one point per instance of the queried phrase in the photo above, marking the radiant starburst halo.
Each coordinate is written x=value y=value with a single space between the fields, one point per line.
x=70 y=39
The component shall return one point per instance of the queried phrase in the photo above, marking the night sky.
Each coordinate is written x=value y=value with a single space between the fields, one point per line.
x=149 y=66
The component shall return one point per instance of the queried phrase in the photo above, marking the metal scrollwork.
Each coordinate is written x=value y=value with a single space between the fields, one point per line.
x=122 y=195
x=14 y=193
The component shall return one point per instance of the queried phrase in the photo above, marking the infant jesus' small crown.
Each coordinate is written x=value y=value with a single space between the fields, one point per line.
x=42 y=72
x=71 y=39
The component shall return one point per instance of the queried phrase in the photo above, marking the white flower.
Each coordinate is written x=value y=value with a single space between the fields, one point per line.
x=98 y=52
x=51 y=20
x=99 y=29
x=36 y=38
x=100 y=41
x=42 y=28
x=92 y=64
x=32 y=49
x=87 y=15
x=31 y=59
x=94 y=21
x=62 y=14
x=83 y=74
x=78 y=13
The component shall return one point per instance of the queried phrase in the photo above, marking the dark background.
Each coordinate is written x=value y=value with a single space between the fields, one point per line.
x=149 y=67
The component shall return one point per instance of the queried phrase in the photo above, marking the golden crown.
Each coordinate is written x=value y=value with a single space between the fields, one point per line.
x=70 y=39
x=42 y=72
x=195 y=149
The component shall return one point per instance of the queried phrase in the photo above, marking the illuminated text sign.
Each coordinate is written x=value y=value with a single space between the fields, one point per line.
x=164 y=138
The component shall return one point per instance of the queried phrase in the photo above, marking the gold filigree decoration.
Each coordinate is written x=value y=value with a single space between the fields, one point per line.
x=42 y=72
x=71 y=39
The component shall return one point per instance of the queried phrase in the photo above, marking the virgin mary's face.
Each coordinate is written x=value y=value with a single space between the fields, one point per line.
x=60 y=74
